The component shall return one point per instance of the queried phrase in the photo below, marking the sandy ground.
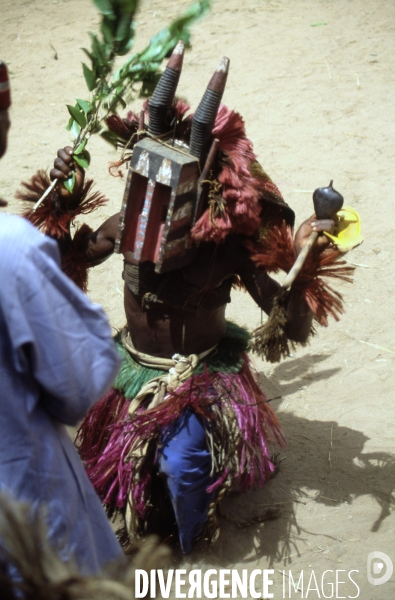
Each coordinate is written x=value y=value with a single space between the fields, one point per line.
x=314 y=82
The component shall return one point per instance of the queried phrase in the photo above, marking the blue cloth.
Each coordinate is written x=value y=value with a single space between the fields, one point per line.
x=185 y=460
x=56 y=359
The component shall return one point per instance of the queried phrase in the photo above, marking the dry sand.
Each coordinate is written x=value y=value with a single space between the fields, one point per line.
x=314 y=82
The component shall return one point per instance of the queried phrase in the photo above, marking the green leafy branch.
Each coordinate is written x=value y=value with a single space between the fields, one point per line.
x=108 y=88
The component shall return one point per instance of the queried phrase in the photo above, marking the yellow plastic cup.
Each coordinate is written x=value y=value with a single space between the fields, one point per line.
x=347 y=233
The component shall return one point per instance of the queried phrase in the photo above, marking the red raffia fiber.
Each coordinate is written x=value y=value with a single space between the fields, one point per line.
x=93 y=435
x=277 y=253
x=54 y=220
x=75 y=263
x=241 y=191
x=114 y=445
x=50 y=216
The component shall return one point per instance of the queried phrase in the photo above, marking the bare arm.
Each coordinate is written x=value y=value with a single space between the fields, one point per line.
x=100 y=243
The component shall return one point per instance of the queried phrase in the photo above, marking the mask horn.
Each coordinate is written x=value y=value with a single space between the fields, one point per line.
x=163 y=96
x=204 y=117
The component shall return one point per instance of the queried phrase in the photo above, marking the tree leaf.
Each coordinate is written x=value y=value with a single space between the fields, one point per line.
x=89 y=54
x=121 y=101
x=76 y=113
x=75 y=129
x=149 y=84
x=112 y=102
x=83 y=159
x=80 y=148
x=129 y=6
x=69 y=124
x=125 y=46
x=141 y=70
x=110 y=137
x=107 y=27
x=104 y=7
x=90 y=77
x=69 y=183
x=85 y=105
x=164 y=41
x=123 y=29
x=98 y=49
x=95 y=128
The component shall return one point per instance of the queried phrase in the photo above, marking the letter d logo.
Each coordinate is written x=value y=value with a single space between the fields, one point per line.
x=376 y=562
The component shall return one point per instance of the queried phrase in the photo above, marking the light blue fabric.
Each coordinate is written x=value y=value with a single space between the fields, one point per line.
x=185 y=460
x=56 y=359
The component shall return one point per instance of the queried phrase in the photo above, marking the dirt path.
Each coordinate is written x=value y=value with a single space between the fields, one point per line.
x=314 y=81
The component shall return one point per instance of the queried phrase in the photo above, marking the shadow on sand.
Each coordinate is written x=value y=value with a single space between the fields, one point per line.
x=323 y=462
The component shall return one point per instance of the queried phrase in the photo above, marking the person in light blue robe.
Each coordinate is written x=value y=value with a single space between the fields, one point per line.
x=57 y=357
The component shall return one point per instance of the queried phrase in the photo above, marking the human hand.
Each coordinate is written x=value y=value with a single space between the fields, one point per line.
x=63 y=167
x=310 y=225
